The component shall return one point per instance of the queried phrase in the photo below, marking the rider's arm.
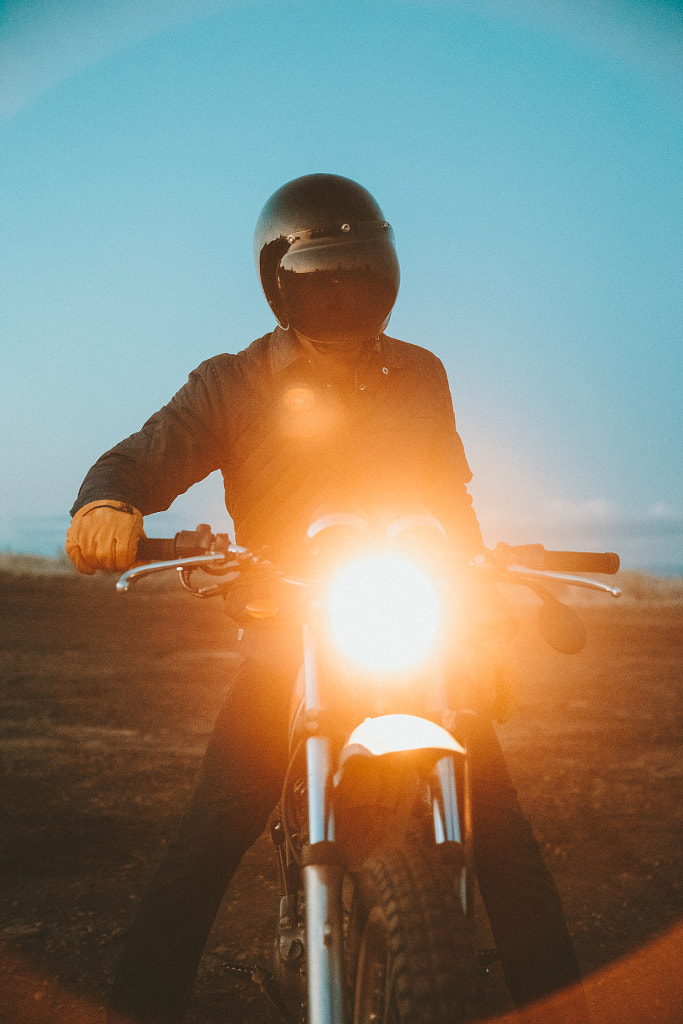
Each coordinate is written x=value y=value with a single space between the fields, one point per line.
x=177 y=446
x=448 y=471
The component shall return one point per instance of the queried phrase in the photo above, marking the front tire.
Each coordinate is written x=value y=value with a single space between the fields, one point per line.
x=411 y=950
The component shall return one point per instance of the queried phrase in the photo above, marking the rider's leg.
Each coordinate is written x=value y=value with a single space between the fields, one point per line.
x=520 y=895
x=239 y=785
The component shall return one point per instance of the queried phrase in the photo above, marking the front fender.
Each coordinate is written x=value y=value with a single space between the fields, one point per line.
x=382 y=770
x=394 y=734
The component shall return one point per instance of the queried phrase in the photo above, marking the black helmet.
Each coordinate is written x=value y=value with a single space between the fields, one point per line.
x=326 y=259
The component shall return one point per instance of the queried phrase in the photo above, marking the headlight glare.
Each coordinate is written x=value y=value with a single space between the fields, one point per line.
x=383 y=612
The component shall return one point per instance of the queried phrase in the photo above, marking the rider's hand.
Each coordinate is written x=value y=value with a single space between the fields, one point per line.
x=104 y=535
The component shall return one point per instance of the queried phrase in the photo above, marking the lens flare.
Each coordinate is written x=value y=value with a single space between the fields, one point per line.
x=384 y=612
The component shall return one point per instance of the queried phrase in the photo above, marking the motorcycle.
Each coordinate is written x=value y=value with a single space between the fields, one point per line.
x=373 y=833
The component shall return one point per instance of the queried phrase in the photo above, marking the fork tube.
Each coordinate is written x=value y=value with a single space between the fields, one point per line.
x=322 y=876
x=447 y=824
x=445 y=804
x=323 y=888
x=324 y=939
x=320 y=819
x=318 y=755
x=310 y=671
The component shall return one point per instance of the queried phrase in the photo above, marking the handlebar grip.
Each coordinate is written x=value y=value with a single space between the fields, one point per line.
x=185 y=544
x=535 y=556
x=581 y=561
x=156 y=549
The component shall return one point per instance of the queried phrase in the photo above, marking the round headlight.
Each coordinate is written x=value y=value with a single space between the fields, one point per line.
x=384 y=612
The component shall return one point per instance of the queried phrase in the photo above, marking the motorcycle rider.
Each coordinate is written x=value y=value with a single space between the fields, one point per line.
x=324 y=410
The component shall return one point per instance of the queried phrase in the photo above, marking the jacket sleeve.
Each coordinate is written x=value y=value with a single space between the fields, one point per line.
x=450 y=472
x=177 y=446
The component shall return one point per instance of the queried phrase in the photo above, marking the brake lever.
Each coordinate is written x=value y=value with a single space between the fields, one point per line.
x=138 y=572
x=528 y=576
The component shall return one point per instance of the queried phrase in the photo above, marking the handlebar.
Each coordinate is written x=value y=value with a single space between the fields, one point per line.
x=527 y=564
x=192 y=543
x=185 y=544
x=156 y=549
x=535 y=556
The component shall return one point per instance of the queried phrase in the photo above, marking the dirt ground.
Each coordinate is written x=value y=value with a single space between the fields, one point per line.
x=107 y=703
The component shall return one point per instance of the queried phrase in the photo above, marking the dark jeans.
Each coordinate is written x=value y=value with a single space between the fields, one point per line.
x=239 y=786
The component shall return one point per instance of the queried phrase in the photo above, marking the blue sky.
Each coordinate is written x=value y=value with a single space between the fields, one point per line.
x=527 y=154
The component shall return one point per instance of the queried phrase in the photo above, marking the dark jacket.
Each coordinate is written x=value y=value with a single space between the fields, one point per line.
x=289 y=443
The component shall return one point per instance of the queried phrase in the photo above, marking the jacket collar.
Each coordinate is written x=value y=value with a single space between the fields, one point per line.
x=286 y=349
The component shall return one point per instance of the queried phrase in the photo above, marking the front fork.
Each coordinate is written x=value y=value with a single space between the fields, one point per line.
x=323 y=876
x=452 y=818
x=323 y=873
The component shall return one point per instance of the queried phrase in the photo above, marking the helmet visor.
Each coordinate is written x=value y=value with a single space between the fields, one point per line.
x=339 y=285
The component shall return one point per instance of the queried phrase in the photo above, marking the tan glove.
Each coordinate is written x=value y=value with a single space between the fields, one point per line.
x=104 y=535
